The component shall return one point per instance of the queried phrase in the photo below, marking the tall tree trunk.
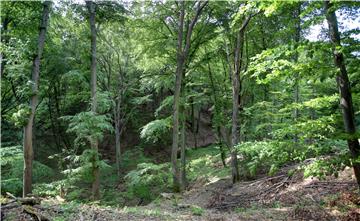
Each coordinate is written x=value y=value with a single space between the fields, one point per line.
x=193 y=122
x=178 y=79
x=312 y=110
x=182 y=54
x=117 y=134
x=296 y=84
x=235 y=127
x=344 y=88
x=94 y=144
x=183 y=181
x=28 y=130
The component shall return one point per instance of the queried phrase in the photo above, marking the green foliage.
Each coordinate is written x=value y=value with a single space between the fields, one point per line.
x=51 y=189
x=197 y=211
x=156 y=129
x=12 y=170
x=82 y=166
x=205 y=163
x=148 y=180
x=265 y=155
x=328 y=166
x=165 y=104
x=88 y=127
x=104 y=102
x=21 y=117
x=320 y=128
x=269 y=156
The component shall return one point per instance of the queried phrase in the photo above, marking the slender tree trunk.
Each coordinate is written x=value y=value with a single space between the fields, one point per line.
x=193 y=122
x=117 y=135
x=183 y=182
x=94 y=144
x=344 y=88
x=182 y=54
x=312 y=111
x=55 y=133
x=178 y=79
x=297 y=80
x=28 y=130
x=235 y=127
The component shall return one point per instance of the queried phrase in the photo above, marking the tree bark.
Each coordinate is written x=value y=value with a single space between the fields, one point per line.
x=178 y=79
x=94 y=144
x=28 y=129
x=117 y=134
x=183 y=181
x=235 y=127
x=344 y=88
x=193 y=122
x=180 y=69
x=297 y=37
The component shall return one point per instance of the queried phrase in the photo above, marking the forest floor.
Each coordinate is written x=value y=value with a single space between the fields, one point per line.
x=278 y=197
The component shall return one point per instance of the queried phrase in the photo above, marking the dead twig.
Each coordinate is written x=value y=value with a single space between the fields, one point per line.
x=30 y=210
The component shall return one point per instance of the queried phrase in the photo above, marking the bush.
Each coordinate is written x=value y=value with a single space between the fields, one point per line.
x=327 y=166
x=197 y=211
x=265 y=155
x=156 y=130
x=269 y=156
x=148 y=180
x=12 y=170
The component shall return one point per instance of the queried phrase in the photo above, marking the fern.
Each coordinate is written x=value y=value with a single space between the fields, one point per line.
x=155 y=130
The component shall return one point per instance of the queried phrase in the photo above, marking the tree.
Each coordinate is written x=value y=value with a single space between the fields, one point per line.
x=182 y=53
x=236 y=88
x=28 y=130
x=344 y=87
x=91 y=6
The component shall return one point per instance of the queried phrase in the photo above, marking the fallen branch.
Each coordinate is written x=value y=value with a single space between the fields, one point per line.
x=26 y=200
x=10 y=206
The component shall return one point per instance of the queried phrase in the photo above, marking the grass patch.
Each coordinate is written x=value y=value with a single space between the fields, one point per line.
x=206 y=162
x=197 y=211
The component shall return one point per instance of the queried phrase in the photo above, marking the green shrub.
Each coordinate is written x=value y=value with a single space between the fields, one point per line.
x=265 y=155
x=148 y=180
x=269 y=156
x=48 y=189
x=12 y=170
x=156 y=130
x=197 y=211
x=326 y=167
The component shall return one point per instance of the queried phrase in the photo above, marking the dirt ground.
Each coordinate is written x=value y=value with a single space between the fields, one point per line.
x=280 y=197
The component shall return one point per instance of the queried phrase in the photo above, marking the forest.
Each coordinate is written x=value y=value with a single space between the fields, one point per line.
x=180 y=110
